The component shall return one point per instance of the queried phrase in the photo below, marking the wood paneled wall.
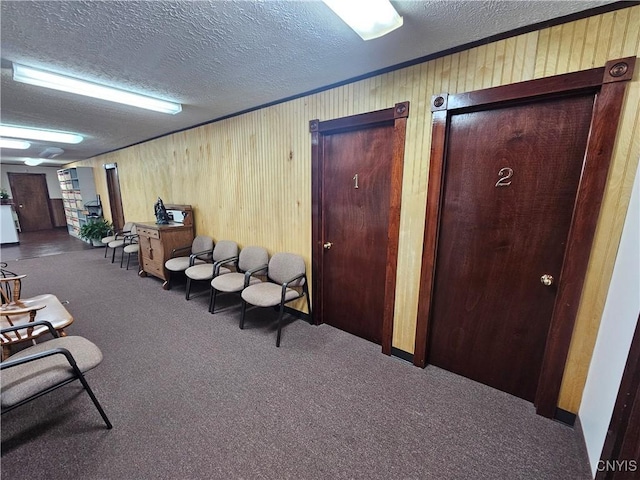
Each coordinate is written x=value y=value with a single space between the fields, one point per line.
x=249 y=177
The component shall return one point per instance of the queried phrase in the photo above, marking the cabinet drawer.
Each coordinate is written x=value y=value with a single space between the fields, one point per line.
x=154 y=268
x=147 y=232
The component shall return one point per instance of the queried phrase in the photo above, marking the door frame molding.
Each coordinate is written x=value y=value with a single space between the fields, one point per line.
x=609 y=84
x=397 y=117
x=115 y=195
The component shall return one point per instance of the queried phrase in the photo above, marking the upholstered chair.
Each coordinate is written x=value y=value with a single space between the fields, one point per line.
x=252 y=261
x=287 y=281
x=224 y=253
x=200 y=251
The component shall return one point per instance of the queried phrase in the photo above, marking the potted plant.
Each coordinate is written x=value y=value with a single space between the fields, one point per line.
x=95 y=230
x=4 y=197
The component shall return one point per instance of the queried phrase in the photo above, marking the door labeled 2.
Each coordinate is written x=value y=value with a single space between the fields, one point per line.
x=511 y=178
x=357 y=178
x=516 y=179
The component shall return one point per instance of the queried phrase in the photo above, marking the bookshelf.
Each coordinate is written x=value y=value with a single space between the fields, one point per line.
x=78 y=188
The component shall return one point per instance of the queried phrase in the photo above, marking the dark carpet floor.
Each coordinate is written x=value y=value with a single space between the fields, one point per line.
x=192 y=396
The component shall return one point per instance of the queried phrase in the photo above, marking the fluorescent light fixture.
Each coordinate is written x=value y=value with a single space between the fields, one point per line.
x=369 y=18
x=38 y=134
x=63 y=83
x=33 y=162
x=15 y=144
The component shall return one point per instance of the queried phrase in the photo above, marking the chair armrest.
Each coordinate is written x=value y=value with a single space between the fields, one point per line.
x=37 y=356
x=31 y=325
x=285 y=285
x=122 y=233
x=194 y=255
x=129 y=239
x=12 y=279
x=219 y=263
x=10 y=309
x=293 y=279
x=249 y=273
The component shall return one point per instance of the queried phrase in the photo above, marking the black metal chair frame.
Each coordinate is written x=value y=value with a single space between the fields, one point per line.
x=120 y=234
x=247 y=276
x=285 y=285
x=129 y=240
x=192 y=260
x=216 y=271
x=78 y=375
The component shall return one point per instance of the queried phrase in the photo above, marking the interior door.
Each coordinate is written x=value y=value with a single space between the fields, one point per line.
x=31 y=200
x=356 y=215
x=516 y=179
x=357 y=180
x=511 y=178
x=115 y=198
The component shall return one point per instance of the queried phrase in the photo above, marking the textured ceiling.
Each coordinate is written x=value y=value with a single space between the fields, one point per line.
x=217 y=58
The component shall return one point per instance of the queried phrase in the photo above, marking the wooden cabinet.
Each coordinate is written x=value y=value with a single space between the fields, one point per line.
x=158 y=241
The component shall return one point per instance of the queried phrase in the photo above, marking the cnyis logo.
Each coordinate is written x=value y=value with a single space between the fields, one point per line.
x=618 y=466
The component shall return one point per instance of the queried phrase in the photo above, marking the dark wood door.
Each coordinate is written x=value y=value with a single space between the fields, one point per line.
x=606 y=87
x=357 y=170
x=115 y=198
x=31 y=199
x=511 y=178
x=357 y=188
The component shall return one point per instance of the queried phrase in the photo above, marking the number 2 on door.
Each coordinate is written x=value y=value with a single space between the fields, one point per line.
x=505 y=174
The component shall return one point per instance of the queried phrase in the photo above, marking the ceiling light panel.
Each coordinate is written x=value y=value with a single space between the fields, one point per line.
x=14 y=144
x=38 y=134
x=64 y=83
x=368 y=18
x=33 y=162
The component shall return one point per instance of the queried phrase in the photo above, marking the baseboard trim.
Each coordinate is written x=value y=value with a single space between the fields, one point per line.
x=297 y=313
x=401 y=354
x=565 y=417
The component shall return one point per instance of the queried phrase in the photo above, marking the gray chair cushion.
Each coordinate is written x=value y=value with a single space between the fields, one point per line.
x=108 y=239
x=116 y=243
x=232 y=282
x=284 y=266
x=180 y=264
x=202 y=243
x=133 y=248
x=225 y=249
x=22 y=381
x=266 y=294
x=252 y=257
x=203 y=271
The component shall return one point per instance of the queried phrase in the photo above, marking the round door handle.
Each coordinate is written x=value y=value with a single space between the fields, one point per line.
x=327 y=245
x=546 y=279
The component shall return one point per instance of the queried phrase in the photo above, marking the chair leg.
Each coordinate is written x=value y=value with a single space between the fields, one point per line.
x=212 y=300
x=244 y=309
x=305 y=289
x=280 y=324
x=122 y=258
x=93 y=398
x=106 y=249
x=113 y=255
x=188 y=288
x=128 y=259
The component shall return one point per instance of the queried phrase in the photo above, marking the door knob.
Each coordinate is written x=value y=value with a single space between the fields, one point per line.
x=546 y=279
x=327 y=245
